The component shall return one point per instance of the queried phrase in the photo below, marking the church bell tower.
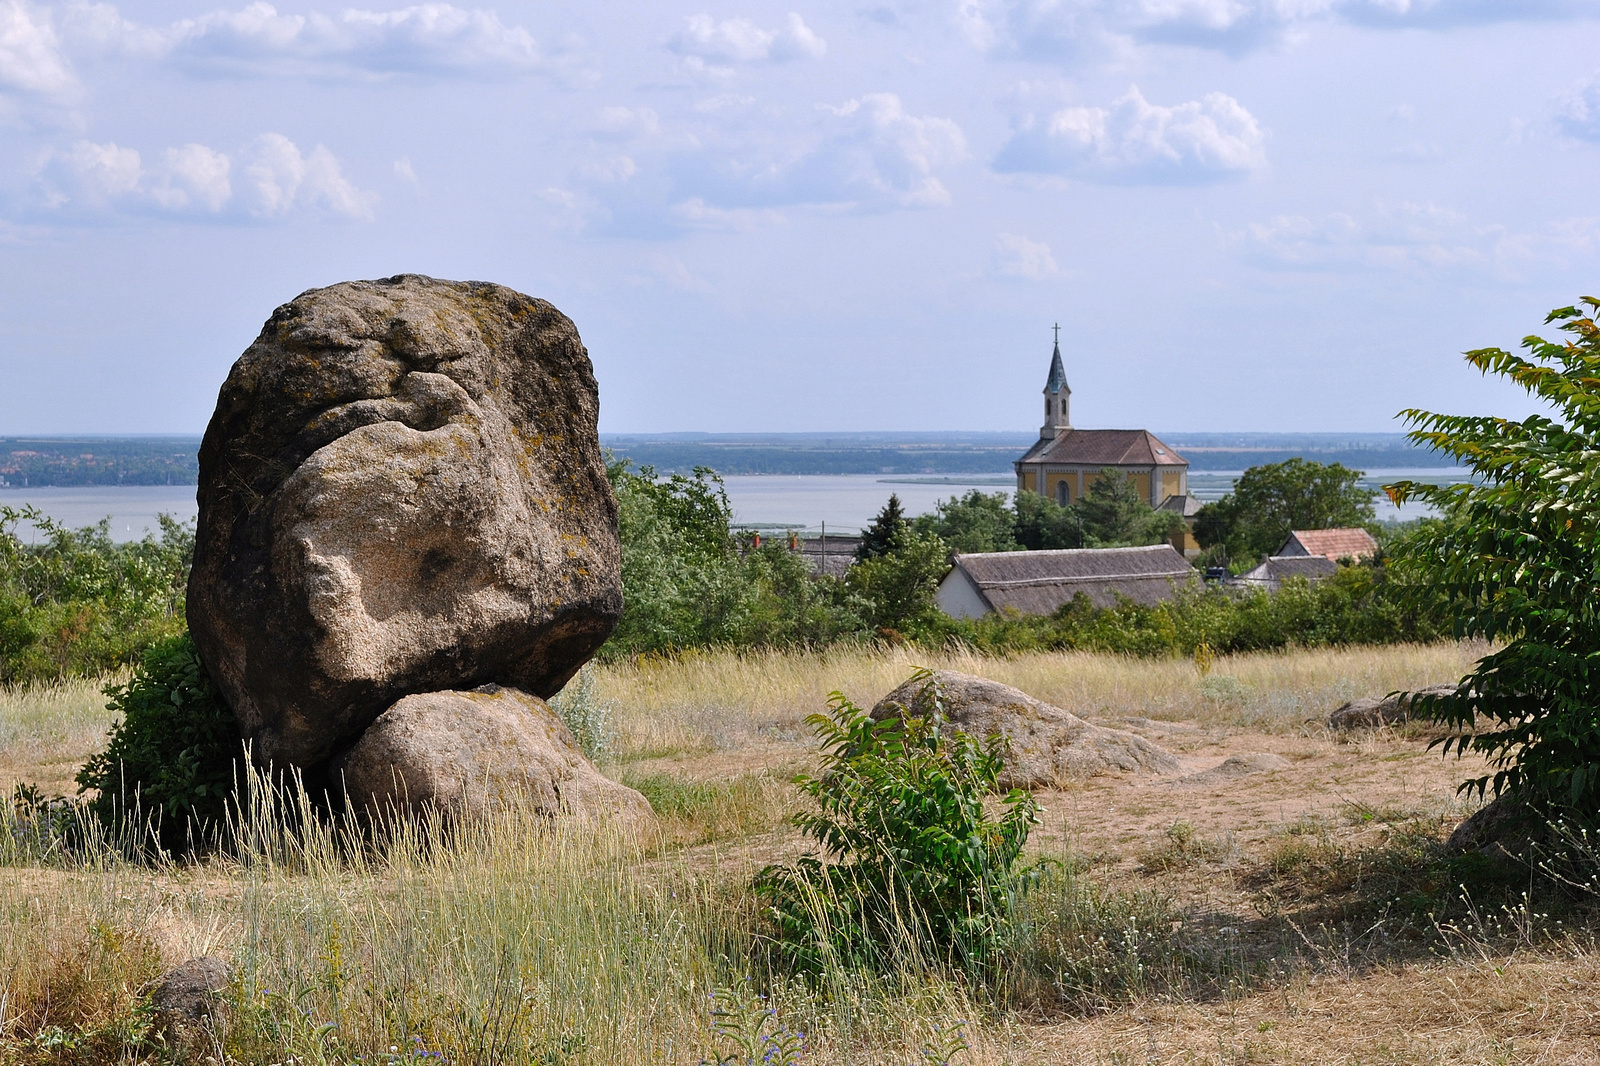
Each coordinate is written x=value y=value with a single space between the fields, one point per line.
x=1057 y=396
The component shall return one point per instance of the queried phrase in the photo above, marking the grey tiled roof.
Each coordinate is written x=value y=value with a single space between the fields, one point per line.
x=1038 y=582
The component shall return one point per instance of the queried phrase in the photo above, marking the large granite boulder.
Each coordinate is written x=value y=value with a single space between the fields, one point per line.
x=1045 y=745
x=401 y=491
x=471 y=753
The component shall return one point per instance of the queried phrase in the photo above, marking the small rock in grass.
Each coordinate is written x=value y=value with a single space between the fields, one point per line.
x=1370 y=712
x=1236 y=766
x=184 y=997
x=1045 y=744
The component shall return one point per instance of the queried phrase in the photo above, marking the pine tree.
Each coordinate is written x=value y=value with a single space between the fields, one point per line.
x=886 y=531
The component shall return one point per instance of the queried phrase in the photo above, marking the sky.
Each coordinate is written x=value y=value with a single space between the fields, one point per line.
x=1269 y=215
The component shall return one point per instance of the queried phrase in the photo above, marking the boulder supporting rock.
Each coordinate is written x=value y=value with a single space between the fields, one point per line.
x=472 y=753
x=1045 y=745
x=1369 y=712
x=401 y=491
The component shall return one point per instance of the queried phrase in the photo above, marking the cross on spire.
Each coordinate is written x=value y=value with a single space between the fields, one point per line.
x=1058 y=332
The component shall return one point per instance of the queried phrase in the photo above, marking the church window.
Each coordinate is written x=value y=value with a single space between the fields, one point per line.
x=1061 y=493
x=1063 y=406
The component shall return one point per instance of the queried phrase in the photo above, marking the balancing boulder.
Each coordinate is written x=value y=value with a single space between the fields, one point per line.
x=401 y=491
x=1045 y=745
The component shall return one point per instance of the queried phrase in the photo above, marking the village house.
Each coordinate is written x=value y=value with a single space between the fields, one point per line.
x=1039 y=582
x=1066 y=461
x=1332 y=544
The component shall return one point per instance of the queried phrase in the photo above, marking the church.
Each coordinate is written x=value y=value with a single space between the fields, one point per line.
x=1066 y=461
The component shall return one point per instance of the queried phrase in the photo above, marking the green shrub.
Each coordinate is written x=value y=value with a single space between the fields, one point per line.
x=77 y=604
x=919 y=869
x=1517 y=554
x=170 y=760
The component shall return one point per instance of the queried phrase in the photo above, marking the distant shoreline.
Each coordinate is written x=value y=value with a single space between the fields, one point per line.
x=82 y=461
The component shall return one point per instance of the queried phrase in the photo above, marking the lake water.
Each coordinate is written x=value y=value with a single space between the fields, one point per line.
x=846 y=502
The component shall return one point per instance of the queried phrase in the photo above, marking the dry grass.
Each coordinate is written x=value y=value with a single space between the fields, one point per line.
x=47 y=731
x=1241 y=921
x=725 y=700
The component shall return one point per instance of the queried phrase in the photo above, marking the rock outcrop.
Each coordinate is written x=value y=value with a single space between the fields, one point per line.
x=1045 y=745
x=1369 y=712
x=401 y=491
x=471 y=753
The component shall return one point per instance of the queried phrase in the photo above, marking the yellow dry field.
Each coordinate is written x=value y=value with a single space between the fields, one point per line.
x=1276 y=879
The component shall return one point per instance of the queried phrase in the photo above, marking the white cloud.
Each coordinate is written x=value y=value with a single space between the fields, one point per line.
x=276 y=179
x=626 y=123
x=705 y=42
x=193 y=176
x=279 y=178
x=1413 y=238
x=93 y=175
x=1058 y=30
x=31 y=59
x=1016 y=256
x=866 y=154
x=1134 y=141
x=420 y=39
x=1578 y=113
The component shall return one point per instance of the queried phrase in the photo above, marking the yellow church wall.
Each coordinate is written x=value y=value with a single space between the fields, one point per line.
x=1141 y=482
x=1028 y=481
x=1170 y=480
x=1052 y=480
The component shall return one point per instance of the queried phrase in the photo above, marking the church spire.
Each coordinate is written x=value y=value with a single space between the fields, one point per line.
x=1057 y=394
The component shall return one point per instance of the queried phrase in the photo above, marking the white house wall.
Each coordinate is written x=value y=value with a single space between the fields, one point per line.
x=958 y=597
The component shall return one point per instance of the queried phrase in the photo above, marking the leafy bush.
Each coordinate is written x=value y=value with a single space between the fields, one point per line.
x=976 y=522
x=171 y=758
x=686 y=583
x=1517 y=555
x=77 y=604
x=588 y=716
x=897 y=588
x=1268 y=502
x=920 y=868
x=1110 y=513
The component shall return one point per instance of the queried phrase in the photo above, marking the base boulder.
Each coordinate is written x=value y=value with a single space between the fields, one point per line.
x=1045 y=744
x=471 y=753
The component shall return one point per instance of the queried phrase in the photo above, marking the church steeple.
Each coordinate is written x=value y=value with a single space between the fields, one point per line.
x=1057 y=395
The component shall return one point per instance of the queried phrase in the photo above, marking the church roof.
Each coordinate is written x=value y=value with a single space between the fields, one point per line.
x=1038 y=582
x=1104 y=447
x=1058 y=373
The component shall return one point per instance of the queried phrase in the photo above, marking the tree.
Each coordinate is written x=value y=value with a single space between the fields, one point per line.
x=879 y=538
x=1269 y=501
x=1518 y=556
x=1043 y=524
x=1114 y=514
x=900 y=584
x=976 y=522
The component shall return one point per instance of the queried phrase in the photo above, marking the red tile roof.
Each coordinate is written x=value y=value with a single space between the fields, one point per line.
x=1104 y=447
x=1332 y=544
